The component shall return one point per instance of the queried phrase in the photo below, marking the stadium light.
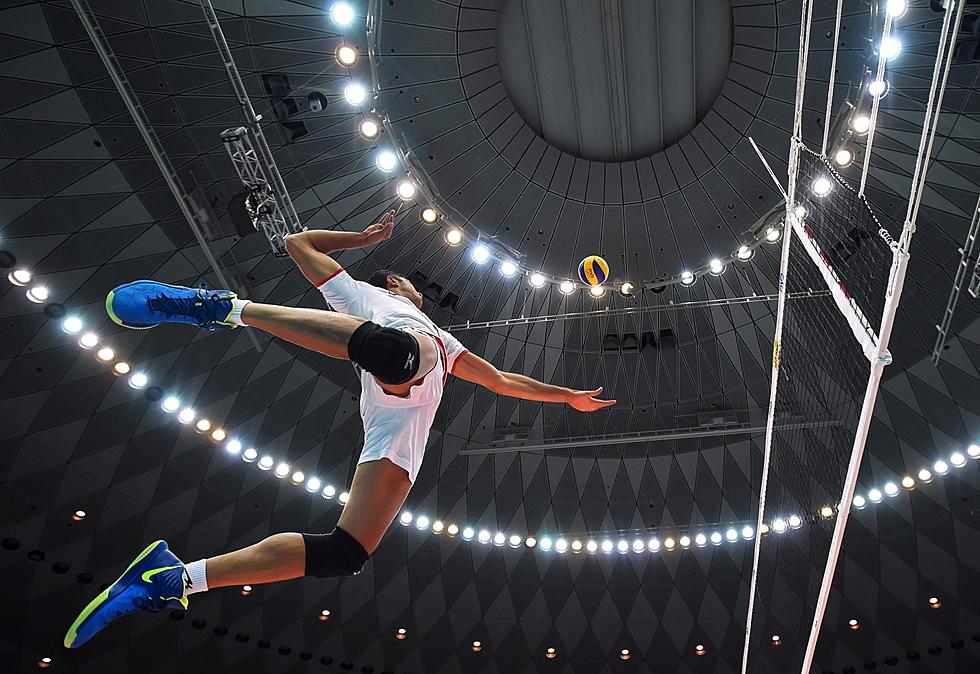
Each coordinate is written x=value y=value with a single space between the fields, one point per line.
x=355 y=93
x=341 y=13
x=369 y=128
x=890 y=48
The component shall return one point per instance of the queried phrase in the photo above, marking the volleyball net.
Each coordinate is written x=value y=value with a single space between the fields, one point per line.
x=828 y=356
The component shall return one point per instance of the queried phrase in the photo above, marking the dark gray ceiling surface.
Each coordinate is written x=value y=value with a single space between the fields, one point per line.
x=83 y=205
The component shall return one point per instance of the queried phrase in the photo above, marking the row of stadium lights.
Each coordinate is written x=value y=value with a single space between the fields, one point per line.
x=369 y=128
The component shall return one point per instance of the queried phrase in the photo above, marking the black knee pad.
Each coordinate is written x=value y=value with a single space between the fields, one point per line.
x=391 y=355
x=334 y=554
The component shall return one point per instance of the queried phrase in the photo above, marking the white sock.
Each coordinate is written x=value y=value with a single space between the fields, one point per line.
x=236 y=311
x=196 y=577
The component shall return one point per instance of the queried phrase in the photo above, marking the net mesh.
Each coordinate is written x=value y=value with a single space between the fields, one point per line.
x=823 y=374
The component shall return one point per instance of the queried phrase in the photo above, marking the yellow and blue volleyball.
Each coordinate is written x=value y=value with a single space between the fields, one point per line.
x=593 y=270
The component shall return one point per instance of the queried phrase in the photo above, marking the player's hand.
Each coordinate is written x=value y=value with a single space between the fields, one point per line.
x=586 y=401
x=381 y=230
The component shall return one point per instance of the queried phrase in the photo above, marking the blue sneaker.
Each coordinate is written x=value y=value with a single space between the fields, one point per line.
x=146 y=304
x=153 y=581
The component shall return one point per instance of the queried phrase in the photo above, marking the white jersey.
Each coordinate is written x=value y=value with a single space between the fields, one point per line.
x=395 y=428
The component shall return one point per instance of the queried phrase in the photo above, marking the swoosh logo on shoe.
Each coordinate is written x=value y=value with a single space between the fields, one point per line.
x=148 y=575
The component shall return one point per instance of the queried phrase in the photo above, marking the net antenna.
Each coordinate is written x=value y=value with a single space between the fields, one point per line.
x=831 y=239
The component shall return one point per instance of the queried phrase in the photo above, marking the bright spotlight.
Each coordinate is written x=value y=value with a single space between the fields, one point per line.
x=685 y=541
x=298 y=477
x=313 y=484
x=597 y=291
x=940 y=467
x=405 y=519
x=218 y=434
x=626 y=289
x=233 y=447
x=454 y=237
x=747 y=532
x=591 y=547
x=346 y=55
x=484 y=536
x=779 y=525
x=700 y=540
x=38 y=294
x=105 y=354
x=638 y=545
x=799 y=212
x=875 y=495
x=203 y=425
x=355 y=93
x=386 y=161
x=561 y=545
x=716 y=267
x=170 y=404
x=266 y=462
x=653 y=544
x=622 y=547
x=515 y=541
x=795 y=521
x=329 y=491
x=773 y=234
x=731 y=535
x=342 y=498
x=890 y=48
x=545 y=544
x=19 y=277
x=878 y=88
x=369 y=128
x=250 y=455
x=861 y=124
x=71 y=325
x=688 y=278
x=744 y=253
x=891 y=489
x=186 y=415
x=121 y=368
x=822 y=186
x=480 y=253
x=341 y=13
x=468 y=534
x=858 y=501
x=406 y=190
x=843 y=157
x=508 y=268
x=438 y=527
x=138 y=380
x=567 y=287
x=536 y=279
x=974 y=451
x=957 y=459
x=897 y=8
x=88 y=341
x=421 y=522
x=429 y=215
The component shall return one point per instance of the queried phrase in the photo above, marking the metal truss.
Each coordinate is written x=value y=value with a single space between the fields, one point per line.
x=268 y=201
x=966 y=253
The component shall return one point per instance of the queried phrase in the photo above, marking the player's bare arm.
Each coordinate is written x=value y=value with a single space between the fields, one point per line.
x=310 y=250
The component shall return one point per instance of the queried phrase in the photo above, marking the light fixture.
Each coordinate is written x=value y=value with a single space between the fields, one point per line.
x=908 y=482
x=341 y=13
x=853 y=623
x=773 y=234
x=453 y=237
x=250 y=455
x=515 y=541
x=266 y=462
x=843 y=157
x=530 y=541
x=406 y=190
x=438 y=527
x=346 y=55
x=576 y=546
x=597 y=291
x=566 y=287
x=401 y=633
x=422 y=522
x=78 y=515
x=925 y=476
x=795 y=521
x=891 y=489
x=624 y=654
x=282 y=470
x=105 y=354
x=799 y=212
x=170 y=404
x=878 y=88
x=218 y=434
x=688 y=278
x=313 y=485
x=744 y=253
x=973 y=451
x=716 y=538
x=861 y=124
x=957 y=459
x=699 y=649
x=776 y=640
x=763 y=529
x=71 y=325
x=827 y=512
x=545 y=544
x=246 y=590
x=822 y=186
x=638 y=545
x=429 y=215
x=186 y=415
x=480 y=253
x=329 y=491
x=700 y=540
x=20 y=277
x=940 y=467
x=452 y=529
x=626 y=289
x=233 y=446
x=468 y=534
x=386 y=161
x=561 y=545
x=325 y=615
x=38 y=294
x=88 y=341
x=731 y=535
x=499 y=539
x=405 y=519
x=483 y=536
x=508 y=268
x=890 y=48
x=669 y=543
x=622 y=547
x=897 y=8
x=121 y=368
x=536 y=279
x=747 y=532
x=476 y=647
x=716 y=267
x=858 y=501
x=934 y=602
x=342 y=498
x=355 y=93
x=138 y=380
x=653 y=544
x=369 y=128
x=779 y=525
x=203 y=426
x=591 y=547
x=551 y=653
x=875 y=495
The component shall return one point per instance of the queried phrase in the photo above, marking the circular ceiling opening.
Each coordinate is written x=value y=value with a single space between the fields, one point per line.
x=616 y=79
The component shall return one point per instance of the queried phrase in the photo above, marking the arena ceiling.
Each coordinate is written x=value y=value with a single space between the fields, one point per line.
x=83 y=205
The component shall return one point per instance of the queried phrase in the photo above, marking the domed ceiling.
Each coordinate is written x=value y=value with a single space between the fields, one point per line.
x=475 y=94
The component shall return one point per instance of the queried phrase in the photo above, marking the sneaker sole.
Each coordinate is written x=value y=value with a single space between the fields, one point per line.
x=118 y=321
x=102 y=596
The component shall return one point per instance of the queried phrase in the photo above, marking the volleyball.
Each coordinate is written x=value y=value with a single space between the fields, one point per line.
x=593 y=270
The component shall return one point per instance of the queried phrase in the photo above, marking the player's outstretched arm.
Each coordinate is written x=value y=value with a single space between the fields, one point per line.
x=473 y=368
x=310 y=250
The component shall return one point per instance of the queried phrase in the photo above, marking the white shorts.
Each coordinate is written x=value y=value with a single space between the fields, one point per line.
x=396 y=428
